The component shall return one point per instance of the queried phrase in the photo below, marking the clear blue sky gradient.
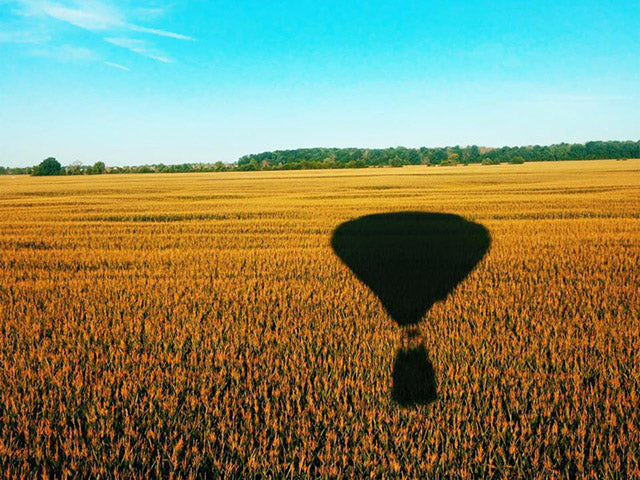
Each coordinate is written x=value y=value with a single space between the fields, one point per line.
x=200 y=81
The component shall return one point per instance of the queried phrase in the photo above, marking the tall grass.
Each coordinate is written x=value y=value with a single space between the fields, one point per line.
x=202 y=325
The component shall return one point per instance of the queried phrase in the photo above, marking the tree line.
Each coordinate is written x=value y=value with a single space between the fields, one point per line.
x=322 y=158
x=307 y=158
x=51 y=166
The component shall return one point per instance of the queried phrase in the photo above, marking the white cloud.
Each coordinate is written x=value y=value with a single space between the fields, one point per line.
x=118 y=66
x=140 y=47
x=161 y=33
x=149 y=12
x=91 y=15
x=23 y=37
x=108 y=16
x=66 y=53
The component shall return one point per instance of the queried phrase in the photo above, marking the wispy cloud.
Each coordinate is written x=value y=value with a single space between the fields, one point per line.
x=23 y=37
x=140 y=47
x=149 y=12
x=107 y=16
x=118 y=66
x=161 y=33
x=65 y=53
x=91 y=15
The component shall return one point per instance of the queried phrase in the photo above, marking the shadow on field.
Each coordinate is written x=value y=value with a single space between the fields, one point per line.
x=411 y=260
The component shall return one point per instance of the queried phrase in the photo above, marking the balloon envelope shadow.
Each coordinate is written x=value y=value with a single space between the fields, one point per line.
x=411 y=260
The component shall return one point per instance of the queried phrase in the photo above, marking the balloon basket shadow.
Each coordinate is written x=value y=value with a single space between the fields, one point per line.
x=414 y=379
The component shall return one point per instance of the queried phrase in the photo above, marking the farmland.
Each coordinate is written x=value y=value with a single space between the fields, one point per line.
x=209 y=324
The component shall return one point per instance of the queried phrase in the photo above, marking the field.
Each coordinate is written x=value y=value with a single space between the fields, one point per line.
x=214 y=324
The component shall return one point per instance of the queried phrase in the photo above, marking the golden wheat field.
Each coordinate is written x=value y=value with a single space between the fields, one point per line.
x=202 y=325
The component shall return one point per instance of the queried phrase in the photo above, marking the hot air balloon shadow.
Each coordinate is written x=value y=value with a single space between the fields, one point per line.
x=411 y=260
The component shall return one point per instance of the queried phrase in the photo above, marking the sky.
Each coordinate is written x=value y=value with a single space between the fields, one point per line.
x=130 y=83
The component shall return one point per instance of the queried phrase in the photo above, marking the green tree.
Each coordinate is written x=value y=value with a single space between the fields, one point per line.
x=98 y=168
x=453 y=158
x=75 y=168
x=397 y=161
x=219 y=167
x=49 y=166
x=439 y=156
x=413 y=157
x=474 y=154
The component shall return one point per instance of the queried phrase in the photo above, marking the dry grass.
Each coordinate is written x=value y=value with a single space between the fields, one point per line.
x=201 y=324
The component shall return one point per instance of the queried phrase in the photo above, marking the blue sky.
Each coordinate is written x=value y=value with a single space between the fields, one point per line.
x=200 y=81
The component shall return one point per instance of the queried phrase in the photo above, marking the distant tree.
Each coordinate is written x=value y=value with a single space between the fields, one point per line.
x=517 y=160
x=75 y=168
x=98 y=168
x=49 y=166
x=454 y=154
x=355 y=164
x=397 y=162
x=413 y=157
x=576 y=151
x=439 y=156
x=473 y=154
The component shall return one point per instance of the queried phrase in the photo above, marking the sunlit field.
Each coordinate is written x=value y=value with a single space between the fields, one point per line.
x=214 y=324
